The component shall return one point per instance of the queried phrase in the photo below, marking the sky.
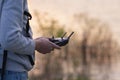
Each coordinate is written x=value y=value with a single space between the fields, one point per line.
x=106 y=10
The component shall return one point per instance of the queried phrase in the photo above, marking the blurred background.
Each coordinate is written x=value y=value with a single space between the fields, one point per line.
x=93 y=52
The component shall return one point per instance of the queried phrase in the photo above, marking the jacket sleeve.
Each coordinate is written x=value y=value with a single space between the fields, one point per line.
x=11 y=24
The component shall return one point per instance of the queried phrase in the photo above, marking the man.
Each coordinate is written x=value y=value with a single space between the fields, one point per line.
x=14 y=31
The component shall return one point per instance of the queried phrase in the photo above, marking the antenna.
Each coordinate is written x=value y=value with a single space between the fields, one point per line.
x=64 y=34
x=70 y=35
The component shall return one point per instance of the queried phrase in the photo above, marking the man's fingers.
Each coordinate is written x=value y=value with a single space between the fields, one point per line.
x=55 y=46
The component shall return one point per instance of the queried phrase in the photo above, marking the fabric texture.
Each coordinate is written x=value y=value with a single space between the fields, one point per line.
x=11 y=75
x=13 y=36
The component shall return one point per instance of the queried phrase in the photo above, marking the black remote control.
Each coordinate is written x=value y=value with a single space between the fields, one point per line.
x=61 y=41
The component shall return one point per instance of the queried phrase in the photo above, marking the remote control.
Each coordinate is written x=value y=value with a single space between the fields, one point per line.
x=61 y=41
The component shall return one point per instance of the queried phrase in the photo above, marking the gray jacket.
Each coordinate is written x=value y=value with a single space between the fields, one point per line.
x=13 y=35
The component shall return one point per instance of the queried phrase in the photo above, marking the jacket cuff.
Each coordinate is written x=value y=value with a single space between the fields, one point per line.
x=31 y=47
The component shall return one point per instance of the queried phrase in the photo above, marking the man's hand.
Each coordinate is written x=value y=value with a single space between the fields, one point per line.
x=43 y=45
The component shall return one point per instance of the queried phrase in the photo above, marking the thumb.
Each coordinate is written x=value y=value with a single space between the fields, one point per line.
x=55 y=46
